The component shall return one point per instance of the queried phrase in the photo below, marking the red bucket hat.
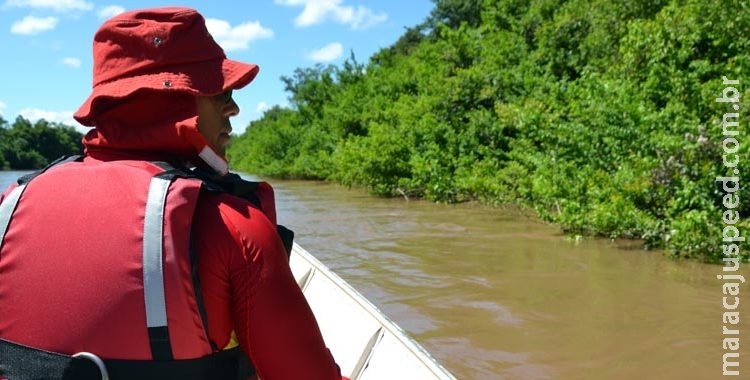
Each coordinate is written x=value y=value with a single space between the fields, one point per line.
x=165 y=49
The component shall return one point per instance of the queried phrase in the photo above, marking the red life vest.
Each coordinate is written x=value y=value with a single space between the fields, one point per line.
x=116 y=235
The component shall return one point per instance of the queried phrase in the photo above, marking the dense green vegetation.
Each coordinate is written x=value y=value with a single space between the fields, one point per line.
x=25 y=146
x=599 y=115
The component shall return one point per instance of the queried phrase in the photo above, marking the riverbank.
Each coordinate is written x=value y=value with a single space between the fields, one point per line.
x=604 y=118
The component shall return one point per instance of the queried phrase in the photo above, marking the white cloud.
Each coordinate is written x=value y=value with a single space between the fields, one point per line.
x=2 y=108
x=64 y=117
x=238 y=37
x=57 y=5
x=33 y=25
x=260 y=108
x=110 y=11
x=71 y=62
x=318 y=11
x=327 y=53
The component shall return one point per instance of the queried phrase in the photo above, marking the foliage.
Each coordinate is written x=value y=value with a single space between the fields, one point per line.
x=26 y=146
x=598 y=115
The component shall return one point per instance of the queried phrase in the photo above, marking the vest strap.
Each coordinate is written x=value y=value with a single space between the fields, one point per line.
x=7 y=208
x=153 y=270
x=21 y=362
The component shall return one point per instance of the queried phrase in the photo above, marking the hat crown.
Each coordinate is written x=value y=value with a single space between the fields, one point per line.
x=167 y=50
x=144 y=42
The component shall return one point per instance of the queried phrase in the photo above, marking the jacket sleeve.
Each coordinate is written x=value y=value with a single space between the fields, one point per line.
x=247 y=276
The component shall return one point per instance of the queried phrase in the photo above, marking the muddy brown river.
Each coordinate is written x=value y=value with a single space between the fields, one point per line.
x=493 y=294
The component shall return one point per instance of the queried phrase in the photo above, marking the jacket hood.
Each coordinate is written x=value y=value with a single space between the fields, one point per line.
x=152 y=125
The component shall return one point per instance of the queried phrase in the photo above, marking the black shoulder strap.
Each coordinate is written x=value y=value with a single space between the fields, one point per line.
x=28 y=177
x=230 y=183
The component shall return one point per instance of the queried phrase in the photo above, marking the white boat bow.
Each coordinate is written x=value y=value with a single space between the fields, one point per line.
x=365 y=343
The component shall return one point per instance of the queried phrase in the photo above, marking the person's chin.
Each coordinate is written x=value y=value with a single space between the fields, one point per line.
x=224 y=141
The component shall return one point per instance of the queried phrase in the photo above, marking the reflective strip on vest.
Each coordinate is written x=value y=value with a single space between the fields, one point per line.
x=6 y=210
x=153 y=271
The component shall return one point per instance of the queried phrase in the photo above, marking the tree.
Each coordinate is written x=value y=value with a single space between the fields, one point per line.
x=592 y=113
x=310 y=89
x=454 y=12
x=27 y=146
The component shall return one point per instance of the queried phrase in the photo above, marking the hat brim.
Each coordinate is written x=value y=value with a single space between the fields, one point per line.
x=198 y=78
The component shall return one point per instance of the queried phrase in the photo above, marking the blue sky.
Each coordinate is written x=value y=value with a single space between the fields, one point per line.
x=45 y=69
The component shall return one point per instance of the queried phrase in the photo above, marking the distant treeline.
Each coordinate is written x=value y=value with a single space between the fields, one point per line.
x=26 y=146
x=599 y=115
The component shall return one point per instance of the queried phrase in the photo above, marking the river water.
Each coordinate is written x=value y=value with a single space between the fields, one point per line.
x=494 y=294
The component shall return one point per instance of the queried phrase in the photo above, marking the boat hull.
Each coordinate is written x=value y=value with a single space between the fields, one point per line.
x=365 y=343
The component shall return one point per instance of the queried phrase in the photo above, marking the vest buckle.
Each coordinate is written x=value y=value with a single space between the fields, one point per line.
x=96 y=360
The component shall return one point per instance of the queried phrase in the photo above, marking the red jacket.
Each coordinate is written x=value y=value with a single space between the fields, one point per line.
x=71 y=262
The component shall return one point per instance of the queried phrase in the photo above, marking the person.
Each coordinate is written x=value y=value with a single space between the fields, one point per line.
x=146 y=258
